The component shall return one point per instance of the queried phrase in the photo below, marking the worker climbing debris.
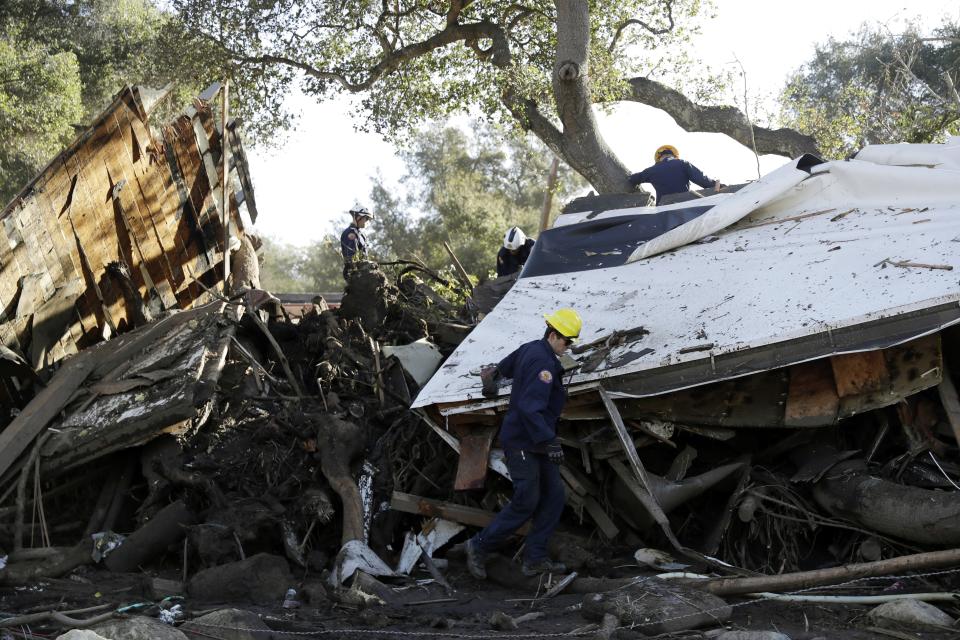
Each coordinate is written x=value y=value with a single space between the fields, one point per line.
x=353 y=244
x=670 y=175
x=514 y=252
x=173 y=454
x=533 y=452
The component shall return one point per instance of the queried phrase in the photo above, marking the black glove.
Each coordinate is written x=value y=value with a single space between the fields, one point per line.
x=489 y=377
x=555 y=453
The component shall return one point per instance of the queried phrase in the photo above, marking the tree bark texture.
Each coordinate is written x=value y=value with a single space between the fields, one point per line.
x=919 y=515
x=340 y=442
x=724 y=119
x=582 y=146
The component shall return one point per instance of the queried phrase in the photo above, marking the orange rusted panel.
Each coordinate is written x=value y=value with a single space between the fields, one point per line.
x=860 y=373
x=812 y=398
x=475 y=444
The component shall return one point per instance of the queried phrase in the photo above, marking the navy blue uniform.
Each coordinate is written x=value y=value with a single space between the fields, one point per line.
x=671 y=176
x=353 y=246
x=509 y=262
x=536 y=401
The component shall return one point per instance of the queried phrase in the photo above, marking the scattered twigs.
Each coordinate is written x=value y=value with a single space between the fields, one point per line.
x=458 y=269
x=278 y=351
x=906 y=264
x=25 y=473
x=39 y=514
x=802 y=216
x=253 y=361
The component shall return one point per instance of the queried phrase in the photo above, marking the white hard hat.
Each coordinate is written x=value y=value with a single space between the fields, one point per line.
x=357 y=212
x=514 y=239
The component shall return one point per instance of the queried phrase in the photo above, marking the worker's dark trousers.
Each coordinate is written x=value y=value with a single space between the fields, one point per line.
x=537 y=493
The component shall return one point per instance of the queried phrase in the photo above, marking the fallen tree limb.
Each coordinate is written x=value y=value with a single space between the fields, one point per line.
x=834 y=575
x=158 y=533
x=30 y=572
x=340 y=442
x=63 y=618
x=910 y=513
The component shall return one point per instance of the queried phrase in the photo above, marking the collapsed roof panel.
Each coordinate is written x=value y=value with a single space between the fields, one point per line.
x=812 y=261
x=122 y=224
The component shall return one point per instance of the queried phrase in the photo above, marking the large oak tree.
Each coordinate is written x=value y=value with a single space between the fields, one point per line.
x=543 y=63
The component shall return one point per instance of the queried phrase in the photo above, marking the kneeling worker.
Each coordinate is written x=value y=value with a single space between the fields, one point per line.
x=669 y=174
x=353 y=244
x=514 y=252
x=533 y=452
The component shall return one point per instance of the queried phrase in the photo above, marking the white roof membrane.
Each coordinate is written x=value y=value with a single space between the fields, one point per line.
x=851 y=244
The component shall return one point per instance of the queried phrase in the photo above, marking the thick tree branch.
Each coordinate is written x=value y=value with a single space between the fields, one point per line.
x=528 y=114
x=657 y=31
x=499 y=54
x=584 y=148
x=728 y=120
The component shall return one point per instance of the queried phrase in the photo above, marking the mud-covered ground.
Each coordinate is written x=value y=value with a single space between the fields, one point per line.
x=421 y=608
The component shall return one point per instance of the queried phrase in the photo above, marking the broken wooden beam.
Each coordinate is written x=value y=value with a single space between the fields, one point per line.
x=835 y=575
x=409 y=503
x=645 y=496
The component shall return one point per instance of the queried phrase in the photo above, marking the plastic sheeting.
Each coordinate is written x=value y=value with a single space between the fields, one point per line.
x=817 y=257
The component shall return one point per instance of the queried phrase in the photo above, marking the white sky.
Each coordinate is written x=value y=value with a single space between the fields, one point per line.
x=325 y=167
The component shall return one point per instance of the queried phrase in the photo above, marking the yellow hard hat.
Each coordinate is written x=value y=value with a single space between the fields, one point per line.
x=665 y=147
x=566 y=321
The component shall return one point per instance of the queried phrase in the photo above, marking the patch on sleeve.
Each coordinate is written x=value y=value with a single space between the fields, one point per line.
x=546 y=377
x=352 y=236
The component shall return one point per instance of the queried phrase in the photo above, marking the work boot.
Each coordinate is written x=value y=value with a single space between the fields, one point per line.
x=476 y=559
x=546 y=565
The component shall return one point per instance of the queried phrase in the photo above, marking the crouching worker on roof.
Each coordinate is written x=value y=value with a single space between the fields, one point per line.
x=669 y=174
x=533 y=452
x=353 y=244
x=514 y=252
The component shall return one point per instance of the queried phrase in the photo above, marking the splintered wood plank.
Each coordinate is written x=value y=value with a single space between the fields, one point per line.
x=88 y=237
x=475 y=443
x=59 y=191
x=147 y=252
x=600 y=517
x=409 y=503
x=189 y=171
x=164 y=204
x=150 y=189
x=860 y=373
x=28 y=424
x=38 y=240
x=812 y=399
x=92 y=216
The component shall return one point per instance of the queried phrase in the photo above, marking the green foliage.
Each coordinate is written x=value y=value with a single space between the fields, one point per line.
x=62 y=61
x=288 y=268
x=467 y=190
x=877 y=87
x=39 y=101
x=331 y=47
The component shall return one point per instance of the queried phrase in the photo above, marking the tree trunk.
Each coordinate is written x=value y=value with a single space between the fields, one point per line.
x=581 y=145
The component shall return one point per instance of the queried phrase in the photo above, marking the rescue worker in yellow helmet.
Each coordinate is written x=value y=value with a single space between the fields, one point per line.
x=669 y=174
x=533 y=452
